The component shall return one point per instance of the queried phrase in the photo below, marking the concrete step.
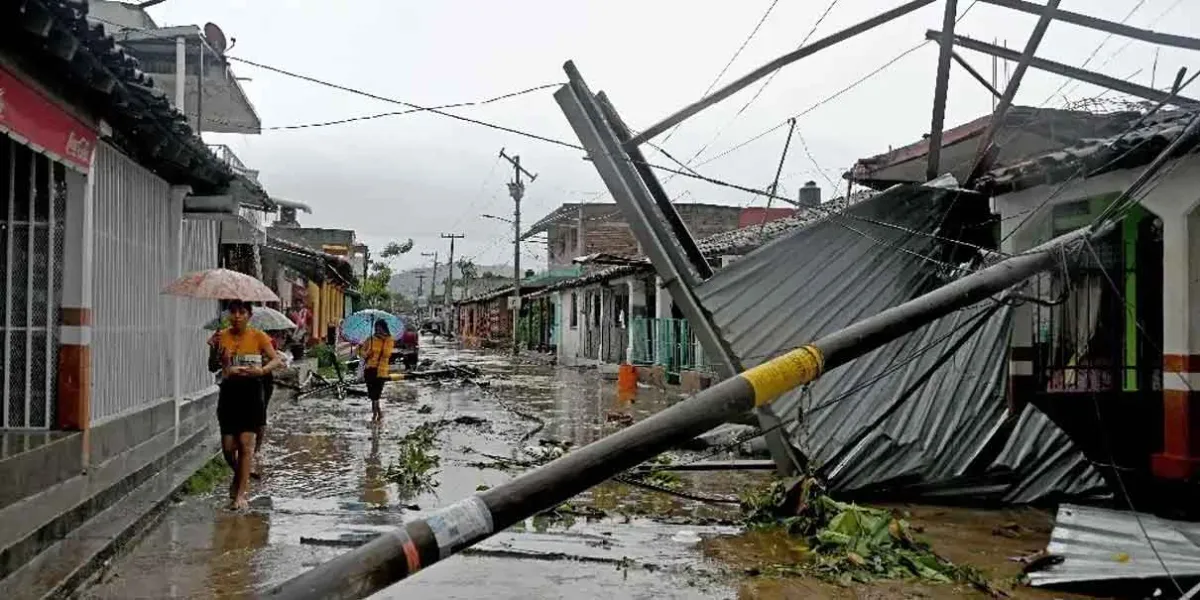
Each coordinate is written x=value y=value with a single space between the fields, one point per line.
x=66 y=564
x=29 y=526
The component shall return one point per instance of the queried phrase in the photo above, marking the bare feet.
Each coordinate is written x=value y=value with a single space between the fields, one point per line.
x=241 y=503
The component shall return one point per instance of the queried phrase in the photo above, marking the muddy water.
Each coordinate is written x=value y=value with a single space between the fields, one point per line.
x=325 y=488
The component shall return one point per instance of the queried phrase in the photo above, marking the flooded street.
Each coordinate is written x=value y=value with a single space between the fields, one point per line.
x=325 y=488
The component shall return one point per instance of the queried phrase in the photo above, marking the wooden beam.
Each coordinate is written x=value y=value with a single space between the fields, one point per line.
x=941 y=85
x=1144 y=35
x=1014 y=83
x=976 y=74
x=1085 y=76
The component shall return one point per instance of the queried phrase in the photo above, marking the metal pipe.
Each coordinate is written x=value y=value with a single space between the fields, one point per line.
x=940 y=89
x=688 y=243
x=402 y=552
x=977 y=75
x=1010 y=90
x=1144 y=35
x=1085 y=76
x=787 y=59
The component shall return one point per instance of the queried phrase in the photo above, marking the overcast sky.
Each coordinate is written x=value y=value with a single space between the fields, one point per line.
x=422 y=174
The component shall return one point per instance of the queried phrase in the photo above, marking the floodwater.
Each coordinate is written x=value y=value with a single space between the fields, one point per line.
x=325 y=488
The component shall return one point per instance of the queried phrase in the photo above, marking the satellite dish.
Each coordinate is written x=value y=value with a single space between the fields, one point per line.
x=215 y=37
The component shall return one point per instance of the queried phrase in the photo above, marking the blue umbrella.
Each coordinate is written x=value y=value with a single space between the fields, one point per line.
x=361 y=325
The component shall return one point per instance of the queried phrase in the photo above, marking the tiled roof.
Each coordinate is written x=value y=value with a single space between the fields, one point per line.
x=103 y=78
x=737 y=241
x=1090 y=157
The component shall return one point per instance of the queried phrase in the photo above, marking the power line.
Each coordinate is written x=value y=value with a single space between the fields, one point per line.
x=416 y=107
x=733 y=58
x=815 y=106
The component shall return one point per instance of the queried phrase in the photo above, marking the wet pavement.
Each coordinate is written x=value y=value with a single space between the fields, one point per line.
x=325 y=487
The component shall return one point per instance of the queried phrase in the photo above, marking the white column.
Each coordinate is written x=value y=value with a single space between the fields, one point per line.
x=181 y=74
x=177 y=195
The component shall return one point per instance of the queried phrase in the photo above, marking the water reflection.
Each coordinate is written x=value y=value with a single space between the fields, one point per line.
x=374 y=486
x=237 y=537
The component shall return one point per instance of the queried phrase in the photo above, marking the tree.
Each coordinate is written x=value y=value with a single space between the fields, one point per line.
x=376 y=290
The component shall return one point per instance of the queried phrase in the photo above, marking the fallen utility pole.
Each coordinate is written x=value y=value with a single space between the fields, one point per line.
x=402 y=552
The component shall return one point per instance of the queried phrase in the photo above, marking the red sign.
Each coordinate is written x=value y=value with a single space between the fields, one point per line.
x=34 y=120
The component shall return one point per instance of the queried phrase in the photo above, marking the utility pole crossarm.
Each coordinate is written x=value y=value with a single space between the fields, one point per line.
x=791 y=57
x=1083 y=75
x=516 y=163
x=1145 y=35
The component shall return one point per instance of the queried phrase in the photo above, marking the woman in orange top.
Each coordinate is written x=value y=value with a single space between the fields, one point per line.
x=246 y=357
x=376 y=353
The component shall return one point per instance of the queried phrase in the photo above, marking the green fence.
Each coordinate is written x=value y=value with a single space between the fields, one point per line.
x=669 y=343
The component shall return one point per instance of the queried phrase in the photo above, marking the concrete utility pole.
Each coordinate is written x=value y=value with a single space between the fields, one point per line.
x=433 y=284
x=448 y=296
x=516 y=189
x=420 y=284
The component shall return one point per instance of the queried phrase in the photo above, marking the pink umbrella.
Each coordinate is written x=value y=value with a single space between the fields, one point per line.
x=221 y=284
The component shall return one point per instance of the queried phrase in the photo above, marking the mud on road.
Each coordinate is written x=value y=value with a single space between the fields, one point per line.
x=329 y=483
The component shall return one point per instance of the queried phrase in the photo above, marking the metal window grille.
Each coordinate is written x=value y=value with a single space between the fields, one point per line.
x=136 y=231
x=32 y=210
x=200 y=246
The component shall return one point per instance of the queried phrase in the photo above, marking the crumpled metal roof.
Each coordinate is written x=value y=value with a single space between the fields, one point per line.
x=1093 y=156
x=1099 y=544
x=732 y=242
x=883 y=423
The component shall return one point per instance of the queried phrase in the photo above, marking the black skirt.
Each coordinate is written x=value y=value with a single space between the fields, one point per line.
x=374 y=383
x=240 y=406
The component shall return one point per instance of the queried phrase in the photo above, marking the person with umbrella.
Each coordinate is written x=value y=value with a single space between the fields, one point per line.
x=376 y=353
x=276 y=325
x=246 y=357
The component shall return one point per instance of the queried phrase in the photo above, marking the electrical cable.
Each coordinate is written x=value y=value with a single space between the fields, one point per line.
x=725 y=69
x=416 y=107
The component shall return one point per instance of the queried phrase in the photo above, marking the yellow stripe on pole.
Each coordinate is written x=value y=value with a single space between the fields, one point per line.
x=782 y=374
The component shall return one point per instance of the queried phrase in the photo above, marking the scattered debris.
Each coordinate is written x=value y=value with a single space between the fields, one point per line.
x=415 y=469
x=620 y=418
x=847 y=543
x=425 y=409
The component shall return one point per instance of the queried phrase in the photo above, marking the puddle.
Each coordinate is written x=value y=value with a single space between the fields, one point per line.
x=325 y=488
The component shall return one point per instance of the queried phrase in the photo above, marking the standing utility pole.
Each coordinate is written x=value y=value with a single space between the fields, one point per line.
x=432 y=284
x=516 y=189
x=448 y=295
x=420 y=284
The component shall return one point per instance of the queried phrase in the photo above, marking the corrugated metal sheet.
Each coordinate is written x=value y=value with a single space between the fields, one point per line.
x=1099 y=544
x=892 y=419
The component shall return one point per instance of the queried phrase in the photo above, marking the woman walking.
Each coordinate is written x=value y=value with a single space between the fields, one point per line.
x=246 y=357
x=376 y=353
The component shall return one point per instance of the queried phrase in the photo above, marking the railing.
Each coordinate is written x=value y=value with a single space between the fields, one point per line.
x=227 y=156
x=669 y=343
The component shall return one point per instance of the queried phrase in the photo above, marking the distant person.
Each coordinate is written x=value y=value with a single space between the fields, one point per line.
x=376 y=353
x=244 y=357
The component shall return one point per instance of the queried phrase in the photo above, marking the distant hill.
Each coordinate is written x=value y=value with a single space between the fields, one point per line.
x=407 y=282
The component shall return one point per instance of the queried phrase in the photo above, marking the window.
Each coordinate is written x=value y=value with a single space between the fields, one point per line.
x=574 y=310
